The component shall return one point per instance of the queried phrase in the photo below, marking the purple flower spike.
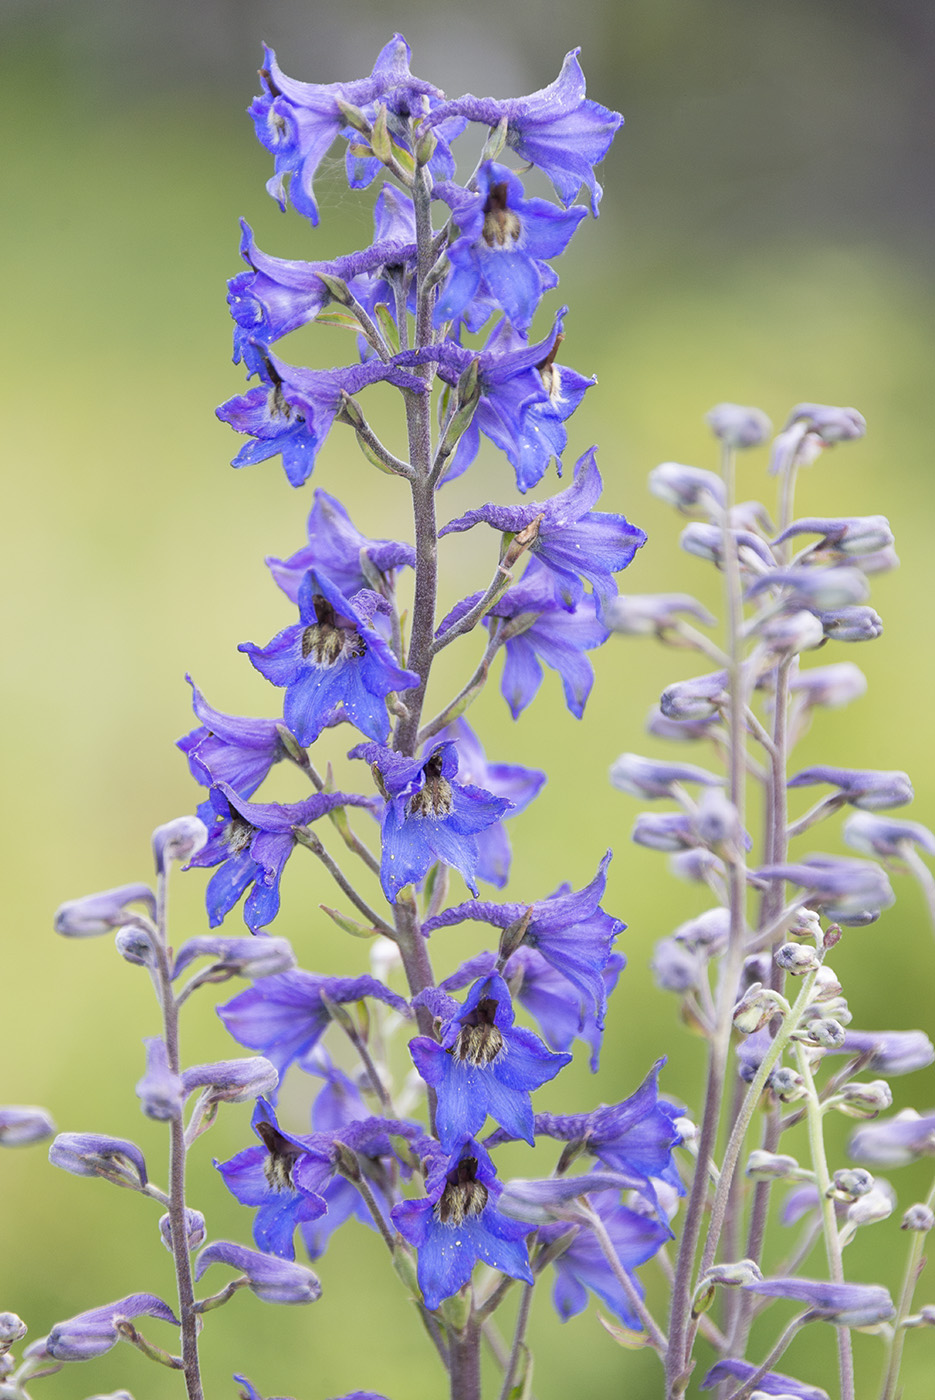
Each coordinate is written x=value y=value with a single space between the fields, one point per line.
x=773 y=1383
x=333 y=657
x=282 y=1179
x=251 y=842
x=890 y=1052
x=100 y=913
x=270 y=1279
x=160 y=1090
x=428 y=816
x=96 y=1154
x=238 y=956
x=503 y=240
x=558 y=128
x=92 y=1333
x=569 y=929
x=232 y=1081
x=844 y=1304
x=458 y=1223
x=886 y=837
x=482 y=1064
x=570 y=539
x=338 y=549
x=583 y=1267
x=692 y=490
x=21 y=1125
x=284 y=1016
x=868 y=788
x=894 y=1142
x=230 y=749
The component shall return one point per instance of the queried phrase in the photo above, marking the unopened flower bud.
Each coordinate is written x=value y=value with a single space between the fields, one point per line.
x=648 y=614
x=866 y=788
x=756 y=1008
x=94 y=1154
x=647 y=777
x=232 y=1081
x=22 y=1124
x=876 y=1205
x=272 y=1279
x=829 y=423
x=830 y=686
x=786 y=634
x=886 y=837
x=92 y=1333
x=891 y=1052
x=12 y=1329
x=865 y=1100
x=787 y=1084
x=918 y=1217
x=837 y=587
x=850 y=1182
x=797 y=959
x=772 y=1166
x=845 y=1304
x=690 y=489
x=723 y=1276
x=894 y=1142
x=195 y=1232
x=717 y=821
x=827 y=988
x=99 y=913
x=708 y=931
x=675 y=967
x=700 y=698
x=698 y=865
x=253 y=956
x=857 y=624
x=178 y=840
x=706 y=541
x=160 y=1089
x=738 y=426
x=664 y=831
x=136 y=945
x=823 y=1031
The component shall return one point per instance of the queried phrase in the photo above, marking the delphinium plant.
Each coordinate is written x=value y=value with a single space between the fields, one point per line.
x=414 y=1080
x=754 y=973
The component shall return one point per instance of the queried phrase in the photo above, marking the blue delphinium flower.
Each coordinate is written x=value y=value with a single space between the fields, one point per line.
x=557 y=128
x=483 y=1064
x=569 y=929
x=428 y=816
x=573 y=541
x=338 y=549
x=251 y=842
x=282 y=1179
x=458 y=1223
x=332 y=657
x=229 y=748
x=582 y=1267
x=510 y=780
x=284 y=1016
x=503 y=237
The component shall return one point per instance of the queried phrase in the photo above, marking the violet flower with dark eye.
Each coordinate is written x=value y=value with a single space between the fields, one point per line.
x=337 y=549
x=773 y=1383
x=512 y=781
x=569 y=929
x=332 y=657
x=251 y=842
x=95 y=1332
x=282 y=1179
x=503 y=237
x=459 y=1223
x=483 y=1064
x=557 y=128
x=229 y=748
x=573 y=541
x=428 y=816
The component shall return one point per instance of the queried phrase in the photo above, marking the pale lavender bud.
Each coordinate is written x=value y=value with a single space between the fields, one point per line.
x=708 y=931
x=95 y=1154
x=233 y=1081
x=756 y=968
x=707 y=542
x=136 y=945
x=160 y=1089
x=805 y=923
x=553 y=1198
x=256 y=955
x=787 y=1084
x=739 y=426
x=850 y=891
x=849 y=534
x=867 y=788
x=829 y=423
x=675 y=967
x=690 y=489
x=92 y=1333
x=648 y=777
x=700 y=698
x=801 y=1201
x=823 y=1031
x=919 y=1217
x=844 y=1304
x=886 y=837
x=99 y=913
x=22 y=1124
x=771 y=1166
x=178 y=840
x=271 y=1279
x=820 y=588
x=698 y=865
x=830 y=686
x=755 y=1009
x=722 y=1276
x=773 y=1386
x=863 y=1099
x=797 y=959
x=195 y=1232
x=827 y=986
x=848 y=1183
x=786 y=634
x=891 y=1052
x=793 y=445
x=664 y=831
x=880 y=561
x=682 y=731
x=852 y=624
x=646 y=614
x=878 y=1204
x=894 y=1142
x=12 y=1329
x=717 y=821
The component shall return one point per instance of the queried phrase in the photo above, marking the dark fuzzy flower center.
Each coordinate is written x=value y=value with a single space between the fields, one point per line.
x=550 y=374
x=479 y=1041
x=463 y=1196
x=238 y=833
x=434 y=798
x=501 y=225
x=325 y=640
x=281 y=1159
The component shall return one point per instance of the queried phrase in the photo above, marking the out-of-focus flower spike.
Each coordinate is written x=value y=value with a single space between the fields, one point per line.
x=100 y=913
x=21 y=1125
x=894 y=1142
x=647 y=777
x=738 y=426
x=867 y=788
x=850 y=534
x=645 y=614
x=837 y=587
x=692 y=490
x=844 y=1304
x=830 y=686
x=886 y=837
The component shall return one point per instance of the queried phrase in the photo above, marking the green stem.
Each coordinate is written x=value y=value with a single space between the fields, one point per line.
x=897 y=1339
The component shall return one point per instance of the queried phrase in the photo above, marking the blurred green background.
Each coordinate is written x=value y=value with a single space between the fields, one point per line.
x=764 y=238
